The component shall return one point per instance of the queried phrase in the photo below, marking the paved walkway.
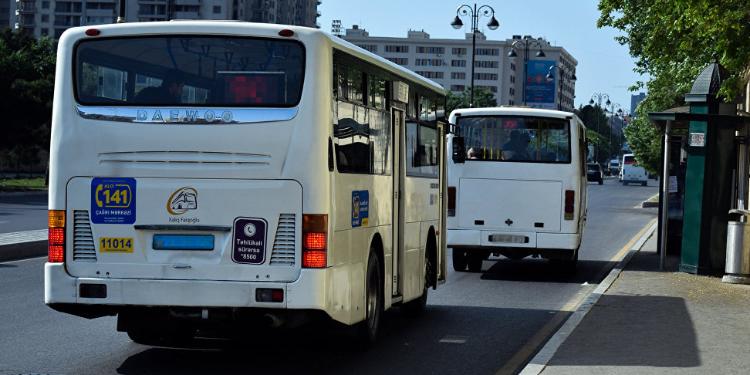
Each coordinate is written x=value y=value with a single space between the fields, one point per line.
x=652 y=322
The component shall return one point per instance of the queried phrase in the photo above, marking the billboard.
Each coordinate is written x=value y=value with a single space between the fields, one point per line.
x=540 y=93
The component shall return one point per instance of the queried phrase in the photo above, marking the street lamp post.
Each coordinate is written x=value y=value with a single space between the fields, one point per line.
x=599 y=97
x=612 y=115
x=526 y=44
x=564 y=74
x=475 y=13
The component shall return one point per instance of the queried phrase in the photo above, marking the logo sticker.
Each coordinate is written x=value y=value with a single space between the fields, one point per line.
x=182 y=200
x=360 y=208
x=249 y=240
x=113 y=200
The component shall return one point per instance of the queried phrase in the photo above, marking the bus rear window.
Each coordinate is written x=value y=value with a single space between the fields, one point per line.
x=189 y=70
x=516 y=139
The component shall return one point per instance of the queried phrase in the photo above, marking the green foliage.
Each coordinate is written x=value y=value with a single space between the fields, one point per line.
x=482 y=98
x=673 y=40
x=598 y=126
x=26 y=86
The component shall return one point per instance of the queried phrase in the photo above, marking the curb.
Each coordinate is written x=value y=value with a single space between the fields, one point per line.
x=539 y=362
x=20 y=245
x=648 y=203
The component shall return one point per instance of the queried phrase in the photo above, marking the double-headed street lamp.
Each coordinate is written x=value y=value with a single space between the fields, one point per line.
x=475 y=13
x=526 y=44
x=599 y=97
x=612 y=113
x=564 y=74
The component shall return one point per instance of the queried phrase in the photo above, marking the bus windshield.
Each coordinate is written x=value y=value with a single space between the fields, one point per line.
x=189 y=70
x=516 y=139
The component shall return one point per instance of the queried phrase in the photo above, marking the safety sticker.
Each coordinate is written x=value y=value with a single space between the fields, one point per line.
x=113 y=200
x=360 y=208
x=249 y=240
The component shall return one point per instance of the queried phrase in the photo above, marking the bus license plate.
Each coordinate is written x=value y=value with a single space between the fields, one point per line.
x=508 y=238
x=115 y=244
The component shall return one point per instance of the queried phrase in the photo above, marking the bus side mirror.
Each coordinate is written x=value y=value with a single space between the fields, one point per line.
x=459 y=150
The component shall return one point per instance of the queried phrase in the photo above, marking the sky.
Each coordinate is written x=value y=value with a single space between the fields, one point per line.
x=604 y=66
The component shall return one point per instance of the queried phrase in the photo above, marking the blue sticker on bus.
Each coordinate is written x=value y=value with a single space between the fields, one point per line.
x=360 y=208
x=113 y=200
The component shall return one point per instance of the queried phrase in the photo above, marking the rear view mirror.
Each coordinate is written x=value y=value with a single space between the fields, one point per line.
x=459 y=150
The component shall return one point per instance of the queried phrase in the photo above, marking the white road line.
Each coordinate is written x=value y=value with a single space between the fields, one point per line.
x=14 y=238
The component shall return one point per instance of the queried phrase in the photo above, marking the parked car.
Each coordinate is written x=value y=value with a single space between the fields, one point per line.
x=594 y=172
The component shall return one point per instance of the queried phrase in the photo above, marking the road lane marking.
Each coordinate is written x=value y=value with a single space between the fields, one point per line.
x=451 y=339
x=23 y=260
x=575 y=306
x=14 y=238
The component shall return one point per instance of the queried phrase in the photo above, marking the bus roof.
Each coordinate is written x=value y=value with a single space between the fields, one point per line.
x=512 y=111
x=240 y=28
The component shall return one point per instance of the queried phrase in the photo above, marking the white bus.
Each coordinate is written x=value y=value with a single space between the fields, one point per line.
x=231 y=174
x=516 y=185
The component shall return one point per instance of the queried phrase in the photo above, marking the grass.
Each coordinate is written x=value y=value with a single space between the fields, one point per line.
x=21 y=184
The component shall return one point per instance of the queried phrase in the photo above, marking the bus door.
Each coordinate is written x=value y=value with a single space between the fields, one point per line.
x=398 y=200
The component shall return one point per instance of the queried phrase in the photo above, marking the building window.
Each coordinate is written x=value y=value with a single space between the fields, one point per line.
x=458 y=63
x=45 y=31
x=513 y=67
x=488 y=52
x=423 y=49
x=512 y=91
x=45 y=18
x=217 y=9
x=485 y=64
x=398 y=60
x=459 y=51
x=492 y=89
x=428 y=62
x=486 y=76
x=458 y=75
x=369 y=47
x=428 y=74
x=45 y=4
x=397 y=49
x=458 y=87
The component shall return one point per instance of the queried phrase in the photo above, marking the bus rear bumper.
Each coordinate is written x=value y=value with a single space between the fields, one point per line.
x=307 y=292
x=468 y=238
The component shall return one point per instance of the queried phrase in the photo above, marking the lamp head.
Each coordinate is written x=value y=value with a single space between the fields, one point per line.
x=457 y=23
x=608 y=102
x=493 y=24
x=540 y=53
x=512 y=52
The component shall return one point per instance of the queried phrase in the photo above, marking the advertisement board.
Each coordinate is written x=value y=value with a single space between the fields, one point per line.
x=540 y=92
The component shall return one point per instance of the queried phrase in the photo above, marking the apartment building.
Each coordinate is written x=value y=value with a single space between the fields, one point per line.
x=448 y=62
x=52 y=17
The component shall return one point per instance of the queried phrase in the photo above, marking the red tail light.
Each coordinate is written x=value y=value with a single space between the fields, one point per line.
x=314 y=241
x=570 y=204
x=56 y=240
x=451 y=201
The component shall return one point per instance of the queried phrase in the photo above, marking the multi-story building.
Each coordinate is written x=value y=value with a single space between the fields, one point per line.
x=52 y=17
x=7 y=13
x=635 y=100
x=448 y=62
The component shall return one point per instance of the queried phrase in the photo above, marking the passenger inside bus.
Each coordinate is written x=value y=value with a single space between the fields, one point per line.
x=169 y=92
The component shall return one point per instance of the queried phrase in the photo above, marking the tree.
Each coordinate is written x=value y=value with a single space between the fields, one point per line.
x=26 y=86
x=600 y=133
x=482 y=98
x=673 y=41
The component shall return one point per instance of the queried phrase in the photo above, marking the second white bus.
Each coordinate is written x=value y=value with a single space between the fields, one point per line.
x=228 y=174
x=516 y=185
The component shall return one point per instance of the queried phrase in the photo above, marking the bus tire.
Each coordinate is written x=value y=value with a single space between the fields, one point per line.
x=367 y=330
x=475 y=262
x=417 y=306
x=459 y=260
x=601 y=181
x=568 y=266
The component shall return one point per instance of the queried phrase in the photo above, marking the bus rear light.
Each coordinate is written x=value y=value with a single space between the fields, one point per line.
x=56 y=236
x=451 y=201
x=314 y=241
x=286 y=33
x=93 y=32
x=269 y=295
x=570 y=204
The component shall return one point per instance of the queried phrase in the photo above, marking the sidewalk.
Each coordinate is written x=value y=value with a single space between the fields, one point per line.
x=652 y=322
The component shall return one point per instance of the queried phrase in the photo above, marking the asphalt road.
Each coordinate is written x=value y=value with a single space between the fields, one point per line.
x=476 y=323
x=23 y=211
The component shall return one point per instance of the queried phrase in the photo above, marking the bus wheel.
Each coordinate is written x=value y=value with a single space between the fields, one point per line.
x=475 y=262
x=368 y=329
x=568 y=266
x=417 y=306
x=459 y=260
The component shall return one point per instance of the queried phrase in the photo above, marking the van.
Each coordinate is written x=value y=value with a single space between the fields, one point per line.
x=632 y=172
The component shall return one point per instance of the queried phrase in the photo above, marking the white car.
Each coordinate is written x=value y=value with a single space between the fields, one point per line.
x=631 y=172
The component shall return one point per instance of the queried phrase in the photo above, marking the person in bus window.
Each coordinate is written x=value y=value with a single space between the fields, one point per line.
x=169 y=92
